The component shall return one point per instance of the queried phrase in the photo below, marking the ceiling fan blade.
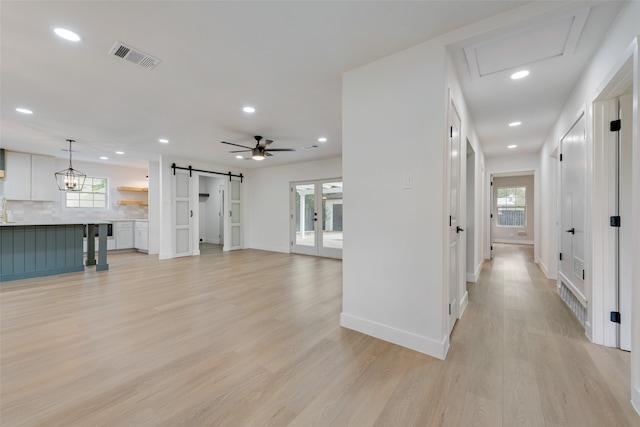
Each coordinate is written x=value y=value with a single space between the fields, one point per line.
x=267 y=142
x=241 y=151
x=267 y=154
x=237 y=145
x=280 y=149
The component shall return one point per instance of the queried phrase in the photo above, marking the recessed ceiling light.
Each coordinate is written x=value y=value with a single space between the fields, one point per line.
x=120 y=152
x=104 y=158
x=322 y=139
x=513 y=124
x=67 y=34
x=520 y=74
x=164 y=141
x=511 y=146
x=239 y=157
x=24 y=111
x=249 y=110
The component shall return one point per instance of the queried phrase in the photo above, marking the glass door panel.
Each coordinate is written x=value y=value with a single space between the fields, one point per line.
x=332 y=215
x=305 y=215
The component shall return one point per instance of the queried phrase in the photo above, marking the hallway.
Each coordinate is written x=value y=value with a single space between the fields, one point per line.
x=523 y=346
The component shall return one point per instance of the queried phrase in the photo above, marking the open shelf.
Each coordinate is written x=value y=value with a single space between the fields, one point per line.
x=140 y=189
x=133 y=202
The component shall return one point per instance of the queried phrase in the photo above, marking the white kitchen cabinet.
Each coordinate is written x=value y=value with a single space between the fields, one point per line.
x=141 y=240
x=123 y=231
x=29 y=177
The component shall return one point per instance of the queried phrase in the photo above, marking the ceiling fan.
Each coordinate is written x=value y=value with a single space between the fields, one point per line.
x=261 y=150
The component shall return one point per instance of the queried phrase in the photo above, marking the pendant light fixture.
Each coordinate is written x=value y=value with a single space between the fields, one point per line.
x=70 y=179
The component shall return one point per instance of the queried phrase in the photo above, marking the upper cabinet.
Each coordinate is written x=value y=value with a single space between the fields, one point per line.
x=29 y=177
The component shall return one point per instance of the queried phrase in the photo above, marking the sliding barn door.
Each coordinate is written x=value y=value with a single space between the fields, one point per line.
x=183 y=213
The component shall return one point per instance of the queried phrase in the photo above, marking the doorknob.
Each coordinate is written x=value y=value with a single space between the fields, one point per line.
x=572 y=231
x=458 y=229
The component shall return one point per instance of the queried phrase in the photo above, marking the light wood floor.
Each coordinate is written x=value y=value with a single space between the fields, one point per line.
x=252 y=338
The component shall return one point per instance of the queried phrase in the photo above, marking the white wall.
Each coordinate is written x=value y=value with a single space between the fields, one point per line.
x=514 y=234
x=394 y=126
x=268 y=207
x=617 y=47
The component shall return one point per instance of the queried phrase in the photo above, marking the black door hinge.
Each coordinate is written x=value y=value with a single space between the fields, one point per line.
x=560 y=156
x=615 y=125
x=449 y=309
x=615 y=316
x=614 y=221
x=451 y=132
x=582 y=274
x=449 y=220
x=491 y=216
x=491 y=247
x=560 y=256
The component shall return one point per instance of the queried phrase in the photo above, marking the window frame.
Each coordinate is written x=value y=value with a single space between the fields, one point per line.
x=93 y=193
x=514 y=207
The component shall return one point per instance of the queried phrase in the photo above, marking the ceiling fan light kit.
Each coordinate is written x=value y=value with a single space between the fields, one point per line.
x=260 y=151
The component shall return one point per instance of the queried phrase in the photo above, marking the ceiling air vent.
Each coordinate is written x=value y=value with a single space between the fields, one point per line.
x=134 y=55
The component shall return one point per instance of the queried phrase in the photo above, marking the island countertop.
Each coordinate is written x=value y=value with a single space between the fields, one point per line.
x=32 y=223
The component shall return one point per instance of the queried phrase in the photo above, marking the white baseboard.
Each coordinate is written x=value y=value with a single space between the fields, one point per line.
x=464 y=302
x=473 y=278
x=396 y=336
x=270 y=248
x=514 y=241
x=635 y=398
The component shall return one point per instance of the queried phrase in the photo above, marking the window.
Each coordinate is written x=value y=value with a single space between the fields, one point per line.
x=93 y=194
x=512 y=206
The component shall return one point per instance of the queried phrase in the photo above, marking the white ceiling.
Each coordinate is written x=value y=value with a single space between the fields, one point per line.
x=284 y=58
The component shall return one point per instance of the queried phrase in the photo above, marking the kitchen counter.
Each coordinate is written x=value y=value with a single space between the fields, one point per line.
x=29 y=249
x=31 y=223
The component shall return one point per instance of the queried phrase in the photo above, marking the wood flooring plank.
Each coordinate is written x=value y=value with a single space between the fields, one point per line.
x=252 y=338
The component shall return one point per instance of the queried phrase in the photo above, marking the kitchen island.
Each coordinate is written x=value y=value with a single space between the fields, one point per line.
x=42 y=249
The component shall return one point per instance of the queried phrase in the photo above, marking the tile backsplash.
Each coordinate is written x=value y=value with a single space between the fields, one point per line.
x=53 y=211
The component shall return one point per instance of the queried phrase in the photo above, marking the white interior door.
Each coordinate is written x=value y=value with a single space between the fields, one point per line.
x=573 y=204
x=316 y=218
x=182 y=213
x=625 y=242
x=454 y=207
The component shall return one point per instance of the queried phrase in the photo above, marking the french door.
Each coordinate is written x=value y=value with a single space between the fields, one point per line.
x=316 y=218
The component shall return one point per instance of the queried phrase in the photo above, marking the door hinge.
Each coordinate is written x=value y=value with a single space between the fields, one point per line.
x=615 y=125
x=491 y=216
x=491 y=247
x=491 y=183
x=449 y=309
x=615 y=316
x=560 y=256
x=449 y=220
x=451 y=132
x=582 y=274
x=614 y=221
x=560 y=156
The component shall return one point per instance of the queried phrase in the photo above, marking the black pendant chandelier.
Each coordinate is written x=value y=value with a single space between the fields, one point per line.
x=70 y=179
